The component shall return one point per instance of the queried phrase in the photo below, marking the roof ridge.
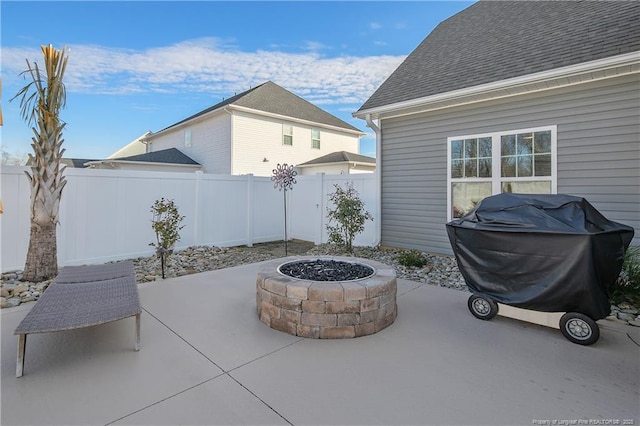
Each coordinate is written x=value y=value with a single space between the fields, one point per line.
x=273 y=100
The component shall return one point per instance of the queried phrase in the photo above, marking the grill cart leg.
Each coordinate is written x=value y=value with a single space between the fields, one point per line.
x=579 y=328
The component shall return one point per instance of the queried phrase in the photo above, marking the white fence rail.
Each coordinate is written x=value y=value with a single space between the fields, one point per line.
x=105 y=214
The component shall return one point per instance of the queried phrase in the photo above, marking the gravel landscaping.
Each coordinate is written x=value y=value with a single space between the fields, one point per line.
x=439 y=270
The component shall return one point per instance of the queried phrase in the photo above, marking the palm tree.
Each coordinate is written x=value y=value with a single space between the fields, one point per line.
x=40 y=103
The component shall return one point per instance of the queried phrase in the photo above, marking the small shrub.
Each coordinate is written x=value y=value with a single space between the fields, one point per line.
x=627 y=287
x=412 y=258
x=166 y=224
x=349 y=216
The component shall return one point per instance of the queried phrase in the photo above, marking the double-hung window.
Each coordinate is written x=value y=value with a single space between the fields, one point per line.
x=315 y=138
x=519 y=161
x=287 y=134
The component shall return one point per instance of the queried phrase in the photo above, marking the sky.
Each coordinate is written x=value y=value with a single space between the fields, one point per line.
x=136 y=66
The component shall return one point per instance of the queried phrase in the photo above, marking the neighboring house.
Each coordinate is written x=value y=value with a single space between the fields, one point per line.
x=255 y=130
x=338 y=163
x=78 y=163
x=135 y=147
x=523 y=96
x=167 y=160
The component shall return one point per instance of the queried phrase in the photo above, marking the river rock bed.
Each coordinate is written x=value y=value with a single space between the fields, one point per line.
x=441 y=271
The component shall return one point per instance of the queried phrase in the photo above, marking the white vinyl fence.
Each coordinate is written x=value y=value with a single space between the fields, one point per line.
x=106 y=214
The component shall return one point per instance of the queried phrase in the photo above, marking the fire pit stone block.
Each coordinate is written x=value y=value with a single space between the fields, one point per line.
x=327 y=309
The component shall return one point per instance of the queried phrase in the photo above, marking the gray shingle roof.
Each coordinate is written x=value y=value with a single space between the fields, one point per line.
x=170 y=155
x=271 y=98
x=496 y=40
x=75 y=162
x=340 y=157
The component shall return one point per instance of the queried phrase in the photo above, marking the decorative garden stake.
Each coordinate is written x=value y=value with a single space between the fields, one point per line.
x=284 y=177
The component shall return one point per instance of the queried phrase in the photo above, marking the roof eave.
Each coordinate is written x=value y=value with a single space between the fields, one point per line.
x=613 y=66
x=295 y=120
x=333 y=163
x=184 y=123
x=230 y=107
x=151 y=163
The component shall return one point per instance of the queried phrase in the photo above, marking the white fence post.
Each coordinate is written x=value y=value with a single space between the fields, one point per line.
x=196 y=208
x=321 y=207
x=250 y=209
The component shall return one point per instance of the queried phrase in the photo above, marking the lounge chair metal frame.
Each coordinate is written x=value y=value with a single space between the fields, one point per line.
x=82 y=296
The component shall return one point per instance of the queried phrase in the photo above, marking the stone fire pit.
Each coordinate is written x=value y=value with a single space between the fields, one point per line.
x=326 y=306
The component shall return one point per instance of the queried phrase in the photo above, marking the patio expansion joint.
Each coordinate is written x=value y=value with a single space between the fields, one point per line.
x=259 y=399
x=184 y=340
x=228 y=373
x=164 y=399
x=265 y=355
x=224 y=373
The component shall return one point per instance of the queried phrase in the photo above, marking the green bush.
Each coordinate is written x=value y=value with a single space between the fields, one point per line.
x=627 y=287
x=349 y=216
x=412 y=258
x=166 y=224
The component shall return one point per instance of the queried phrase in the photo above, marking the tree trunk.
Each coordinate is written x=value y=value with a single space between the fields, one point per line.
x=42 y=256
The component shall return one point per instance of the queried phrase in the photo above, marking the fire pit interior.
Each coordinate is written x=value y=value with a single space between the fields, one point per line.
x=327 y=298
x=326 y=270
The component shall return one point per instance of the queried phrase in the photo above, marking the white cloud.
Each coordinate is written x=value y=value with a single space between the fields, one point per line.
x=315 y=46
x=375 y=25
x=213 y=66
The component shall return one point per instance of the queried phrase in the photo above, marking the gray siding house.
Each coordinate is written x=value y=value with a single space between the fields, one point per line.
x=524 y=96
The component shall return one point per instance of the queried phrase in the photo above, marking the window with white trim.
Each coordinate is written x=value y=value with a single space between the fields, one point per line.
x=522 y=161
x=315 y=138
x=287 y=134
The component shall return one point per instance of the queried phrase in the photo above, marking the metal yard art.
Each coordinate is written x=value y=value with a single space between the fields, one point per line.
x=284 y=177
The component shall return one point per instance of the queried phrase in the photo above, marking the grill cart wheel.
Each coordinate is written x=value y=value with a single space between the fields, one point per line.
x=579 y=328
x=482 y=307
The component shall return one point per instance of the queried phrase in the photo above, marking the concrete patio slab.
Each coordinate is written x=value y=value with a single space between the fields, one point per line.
x=93 y=375
x=207 y=359
x=220 y=401
x=439 y=365
x=215 y=312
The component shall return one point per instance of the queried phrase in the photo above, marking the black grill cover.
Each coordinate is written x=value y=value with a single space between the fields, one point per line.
x=550 y=253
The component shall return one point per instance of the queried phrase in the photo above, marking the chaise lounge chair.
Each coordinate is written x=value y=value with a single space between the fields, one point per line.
x=82 y=296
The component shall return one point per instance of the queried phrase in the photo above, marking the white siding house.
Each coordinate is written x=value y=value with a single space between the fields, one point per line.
x=255 y=130
x=338 y=163
x=135 y=147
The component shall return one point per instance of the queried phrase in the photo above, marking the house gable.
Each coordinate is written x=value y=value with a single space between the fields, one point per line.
x=272 y=99
x=134 y=147
x=259 y=146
